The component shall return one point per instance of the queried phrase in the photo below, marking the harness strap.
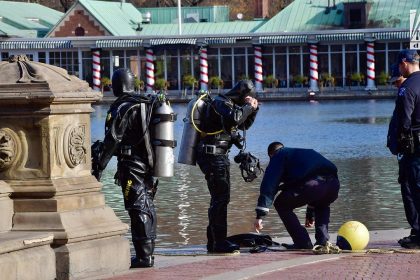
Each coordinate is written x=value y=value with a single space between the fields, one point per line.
x=146 y=137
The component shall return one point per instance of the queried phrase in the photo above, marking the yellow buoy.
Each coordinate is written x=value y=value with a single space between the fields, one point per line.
x=353 y=235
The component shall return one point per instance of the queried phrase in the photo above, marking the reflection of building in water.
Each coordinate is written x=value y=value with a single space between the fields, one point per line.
x=347 y=44
x=369 y=193
x=184 y=203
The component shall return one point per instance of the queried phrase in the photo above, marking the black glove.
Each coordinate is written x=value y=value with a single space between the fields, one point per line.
x=97 y=149
x=97 y=173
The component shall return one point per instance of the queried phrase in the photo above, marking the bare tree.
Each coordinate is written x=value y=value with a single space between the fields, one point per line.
x=66 y=4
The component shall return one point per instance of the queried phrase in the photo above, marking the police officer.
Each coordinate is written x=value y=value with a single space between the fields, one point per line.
x=225 y=114
x=404 y=131
x=127 y=137
x=396 y=80
x=304 y=177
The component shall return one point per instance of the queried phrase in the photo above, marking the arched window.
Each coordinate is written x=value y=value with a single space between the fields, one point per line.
x=79 y=31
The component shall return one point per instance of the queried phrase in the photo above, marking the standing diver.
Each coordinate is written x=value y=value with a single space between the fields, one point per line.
x=130 y=129
x=219 y=123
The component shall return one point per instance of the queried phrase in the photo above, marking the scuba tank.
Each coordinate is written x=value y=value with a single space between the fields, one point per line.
x=191 y=132
x=163 y=118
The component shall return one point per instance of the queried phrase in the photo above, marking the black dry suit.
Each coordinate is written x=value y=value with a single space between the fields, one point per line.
x=127 y=137
x=221 y=119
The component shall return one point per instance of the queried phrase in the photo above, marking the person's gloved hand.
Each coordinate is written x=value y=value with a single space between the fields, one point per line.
x=97 y=173
x=258 y=225
x=310 y=217
x=252 y=101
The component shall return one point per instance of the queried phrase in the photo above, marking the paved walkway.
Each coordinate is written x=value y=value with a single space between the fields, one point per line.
x=194 y=263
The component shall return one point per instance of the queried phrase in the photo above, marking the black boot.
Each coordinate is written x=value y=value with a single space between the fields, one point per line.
x=210 y=243
x=225 y=246
x=144 y=253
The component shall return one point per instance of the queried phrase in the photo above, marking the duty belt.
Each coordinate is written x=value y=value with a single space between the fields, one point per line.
x=213 y=150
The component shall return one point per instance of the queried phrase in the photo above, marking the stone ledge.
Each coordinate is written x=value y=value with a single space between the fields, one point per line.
x=18 y=240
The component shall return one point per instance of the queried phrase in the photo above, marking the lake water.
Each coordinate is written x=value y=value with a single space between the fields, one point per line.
x=350 y=133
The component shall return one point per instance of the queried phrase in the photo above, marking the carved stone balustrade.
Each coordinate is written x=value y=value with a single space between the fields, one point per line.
x=46 y=160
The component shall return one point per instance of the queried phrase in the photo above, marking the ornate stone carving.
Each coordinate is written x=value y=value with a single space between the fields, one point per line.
x=74 y=146
x=28 y=74
x=7 y=148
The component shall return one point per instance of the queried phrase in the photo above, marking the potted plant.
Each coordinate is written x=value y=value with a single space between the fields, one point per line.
x=243 y=77
x=300 y=80
x=105 y=83
x=357 y=78
x=138 y=84
x=215 y=82
x=327 y=80
x=161 y=85
x=189 y=81
x=382 y=78
x=271 y=81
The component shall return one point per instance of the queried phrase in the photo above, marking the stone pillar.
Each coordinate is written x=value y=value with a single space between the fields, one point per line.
x=150 y=70
x=258 y=68
x=96 y=69
x=204 y=71
x=45 y=121
x=370 y=63
x=313 y=68
x=23 y=255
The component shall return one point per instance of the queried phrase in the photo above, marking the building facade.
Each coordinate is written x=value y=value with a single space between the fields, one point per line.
x=92 y=47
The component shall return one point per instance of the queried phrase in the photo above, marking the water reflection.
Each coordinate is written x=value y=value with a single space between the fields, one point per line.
x=368 y=172
x=366 y=120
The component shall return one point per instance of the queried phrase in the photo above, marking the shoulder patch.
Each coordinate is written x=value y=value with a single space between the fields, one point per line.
x=401 y=91
x=109 y=116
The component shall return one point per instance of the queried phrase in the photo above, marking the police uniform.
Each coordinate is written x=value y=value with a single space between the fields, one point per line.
x=404 y=133
x=127 y=137
x=225 y=114
x=304 y=177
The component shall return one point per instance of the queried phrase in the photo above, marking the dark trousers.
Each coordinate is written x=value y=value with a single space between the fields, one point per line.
x=318 y=193
x=409 y=178
x=217 y=174
x=138 y=201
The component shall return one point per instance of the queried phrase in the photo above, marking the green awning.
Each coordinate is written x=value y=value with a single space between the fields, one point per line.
x=400 y=35
x=341 y=37
x=226 y=40
x=283 y=39
x=45 y=44
x=134 y=43
x=172 y=41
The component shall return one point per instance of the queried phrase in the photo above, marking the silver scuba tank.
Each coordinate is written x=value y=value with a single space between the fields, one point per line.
x=190 y=134
x=163 y=118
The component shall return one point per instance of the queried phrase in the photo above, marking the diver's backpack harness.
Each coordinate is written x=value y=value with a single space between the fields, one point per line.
x=201 y=98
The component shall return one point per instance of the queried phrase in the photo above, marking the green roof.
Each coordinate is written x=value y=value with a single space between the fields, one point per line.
x=26 y=19
x=189 y=14
x=304 y=15
x=120 y=19
x=203 y=28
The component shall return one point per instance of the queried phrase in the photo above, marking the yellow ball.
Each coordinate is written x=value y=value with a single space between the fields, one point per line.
x=352 y=235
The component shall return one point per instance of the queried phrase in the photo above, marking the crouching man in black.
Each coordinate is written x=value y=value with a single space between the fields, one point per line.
x=304 y=177
x=127 y=137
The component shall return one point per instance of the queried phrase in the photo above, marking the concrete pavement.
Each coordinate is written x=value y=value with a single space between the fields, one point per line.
x=194 y=263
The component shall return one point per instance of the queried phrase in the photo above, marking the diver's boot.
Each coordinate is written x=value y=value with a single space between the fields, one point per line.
x=210 y=242
x=144 y=254
x=225 y=246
